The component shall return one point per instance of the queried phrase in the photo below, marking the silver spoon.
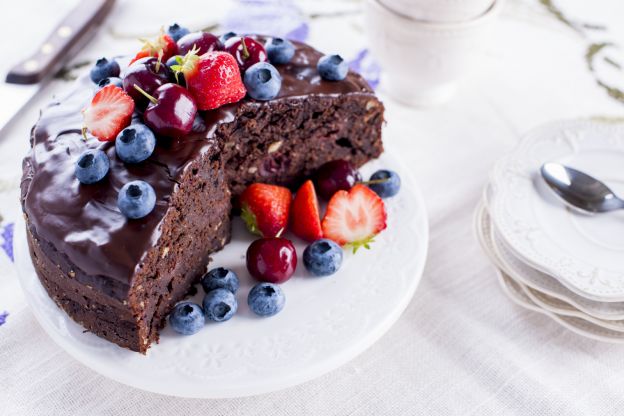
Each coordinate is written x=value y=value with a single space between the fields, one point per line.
x=579 y=190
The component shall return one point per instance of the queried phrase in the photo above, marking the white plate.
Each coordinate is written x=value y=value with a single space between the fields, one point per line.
x=325 y=323
x=543 y=282
x=583 y=252
x=562 y=312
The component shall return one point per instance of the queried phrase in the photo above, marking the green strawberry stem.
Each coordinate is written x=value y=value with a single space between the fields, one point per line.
x=356 y=245
x=142 y=91
x=250 y=220
x=245 y=55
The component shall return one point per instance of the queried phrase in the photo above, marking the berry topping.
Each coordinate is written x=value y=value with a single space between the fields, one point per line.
x=385 y=183
x=202 y=41
x=212 y=78
x=135 y=143
x=175 y=32
x=262 y=81
x=279 y=51
x=220 y=278
x=305 y=220
x=110 y=81
x=322 y=257
x=332 y=68
x=246 y=50
x=163 y=47
x=354 y=217
x=108 y=113
x=272 y=260
x=92 y=166
x=148 y=74
x=171 y=111
x=187 y=318
x=224 y=37
x=334 y=176
x=104 y=68
x=266 y=299
x=219 y=305
x=136 y=199
x=265 y=208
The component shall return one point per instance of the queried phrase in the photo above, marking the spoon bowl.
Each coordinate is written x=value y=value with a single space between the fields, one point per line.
x=579 y=190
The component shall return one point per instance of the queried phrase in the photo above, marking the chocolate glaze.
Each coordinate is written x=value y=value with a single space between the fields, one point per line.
x=83 y=221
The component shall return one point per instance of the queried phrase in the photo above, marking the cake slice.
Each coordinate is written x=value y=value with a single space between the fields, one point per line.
x=119 y=278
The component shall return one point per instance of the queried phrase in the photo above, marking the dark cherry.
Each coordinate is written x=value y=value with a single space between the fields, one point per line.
x=171 y=111
x=272 y=260
x=206 y=42
x=335 y=176
x=251 y=53
x=148 y=74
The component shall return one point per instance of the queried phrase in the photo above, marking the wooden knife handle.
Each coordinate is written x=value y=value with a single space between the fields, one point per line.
x=60 y=46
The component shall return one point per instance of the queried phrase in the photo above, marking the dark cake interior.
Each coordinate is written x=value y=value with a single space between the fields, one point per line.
x=119 y=278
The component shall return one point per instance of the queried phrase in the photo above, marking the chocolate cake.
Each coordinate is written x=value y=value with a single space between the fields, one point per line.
x=119 y=278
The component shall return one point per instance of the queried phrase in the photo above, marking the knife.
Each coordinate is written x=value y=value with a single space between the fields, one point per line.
x=26 y=78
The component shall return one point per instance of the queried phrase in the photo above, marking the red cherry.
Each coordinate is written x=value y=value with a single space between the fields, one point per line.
x=148 y=74
x=335 y=176
x=248 y=54
x=205 y=42
x=272 y=259
x=171 y=111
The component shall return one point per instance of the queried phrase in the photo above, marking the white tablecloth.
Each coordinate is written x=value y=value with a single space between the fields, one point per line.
x=460 y=347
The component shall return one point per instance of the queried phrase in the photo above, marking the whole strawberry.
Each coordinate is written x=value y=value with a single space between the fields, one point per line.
x=265 y=208
x=109 y=112
x=213 y=78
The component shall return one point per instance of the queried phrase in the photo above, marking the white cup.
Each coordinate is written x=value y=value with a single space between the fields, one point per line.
x=423 y=62
x=440 y=11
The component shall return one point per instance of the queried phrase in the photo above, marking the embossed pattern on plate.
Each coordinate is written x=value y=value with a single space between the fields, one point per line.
x=585 y=253
x=325 y=323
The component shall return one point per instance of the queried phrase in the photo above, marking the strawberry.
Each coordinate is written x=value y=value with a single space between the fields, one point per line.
x=212 y=78
x=305 y=220
x=265 y=208
x=163 y=45
x=355 y=217
x=109 y=113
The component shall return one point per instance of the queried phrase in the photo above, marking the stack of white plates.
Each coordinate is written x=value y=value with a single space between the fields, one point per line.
x=550 y=259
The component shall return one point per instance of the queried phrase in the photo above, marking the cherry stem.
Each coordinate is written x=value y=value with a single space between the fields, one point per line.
x=159 y=62
x=375 y=181
x=142 y=91
x=279 y=233
x=246 y=53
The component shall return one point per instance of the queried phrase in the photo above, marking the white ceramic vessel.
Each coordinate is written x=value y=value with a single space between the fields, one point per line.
x=424 y=61
x=325 y=323
x=439 y=11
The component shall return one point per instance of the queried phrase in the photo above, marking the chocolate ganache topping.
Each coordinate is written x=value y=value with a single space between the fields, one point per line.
x=83 y=221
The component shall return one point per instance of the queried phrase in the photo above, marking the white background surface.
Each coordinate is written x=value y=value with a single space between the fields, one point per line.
x=461 y=347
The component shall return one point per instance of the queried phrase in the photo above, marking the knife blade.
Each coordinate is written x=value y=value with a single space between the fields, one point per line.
x=25 y=79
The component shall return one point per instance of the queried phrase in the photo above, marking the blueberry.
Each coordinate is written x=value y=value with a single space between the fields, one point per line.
x=110 y=80
x=220 y=278
x=187 y=318
x=323 y=257
x=280 y=51
x=136 y=199
x=199 y=125
x=92 y=166
x=266 y=299
x=226 y=36
x=262 y=81
x=388 y=185
x=332 y=68
x=104 y=69
x=219 y=305
x=176 y=31
x=135 y=143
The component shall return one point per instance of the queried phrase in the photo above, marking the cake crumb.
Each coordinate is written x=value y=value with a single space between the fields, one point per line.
x=252 y=169
x=274 y=147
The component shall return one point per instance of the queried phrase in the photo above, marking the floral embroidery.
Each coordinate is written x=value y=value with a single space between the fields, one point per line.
x=3 y=316
x=365 y=64
x=6 y=237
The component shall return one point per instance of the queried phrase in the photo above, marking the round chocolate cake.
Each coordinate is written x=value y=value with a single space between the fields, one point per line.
x=119 y=278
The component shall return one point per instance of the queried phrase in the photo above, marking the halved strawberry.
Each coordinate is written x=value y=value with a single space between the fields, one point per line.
x=163 y=44
x=305 y=220
x=109 y=112
x=265 y=208
x=355 y=217
x=212 y=78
